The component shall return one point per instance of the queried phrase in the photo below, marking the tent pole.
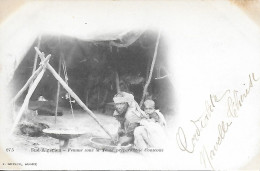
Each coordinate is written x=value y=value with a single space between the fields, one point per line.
x=116 y=74
x=33 y=76
x=36 y=55
x=151 y=70
x=27 y=98
x=117 y=82
x=58 y=93
x=71 y=92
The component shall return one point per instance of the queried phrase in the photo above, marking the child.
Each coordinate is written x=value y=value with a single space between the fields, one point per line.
x=154 y=115
x=152 y=130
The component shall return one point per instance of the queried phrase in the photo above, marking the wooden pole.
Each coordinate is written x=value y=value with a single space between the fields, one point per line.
x=36 y=55
x=34 y=75
x=151 y=70
x=27 y=98
x=116 y=74
x=117 y=82
x=58 y=93
x=150 y=60
x=70 y=91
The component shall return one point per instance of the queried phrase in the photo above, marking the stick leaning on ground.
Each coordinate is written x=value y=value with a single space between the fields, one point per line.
x=28 y=96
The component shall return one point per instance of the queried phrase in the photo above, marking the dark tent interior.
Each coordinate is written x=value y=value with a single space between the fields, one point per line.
x=97 y=70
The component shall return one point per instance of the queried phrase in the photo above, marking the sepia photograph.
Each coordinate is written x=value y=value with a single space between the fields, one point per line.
x=119 y=85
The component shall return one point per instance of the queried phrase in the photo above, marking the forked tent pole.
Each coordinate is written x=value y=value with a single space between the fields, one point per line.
x=70 y=91
x=26 y=85
x=151 y=70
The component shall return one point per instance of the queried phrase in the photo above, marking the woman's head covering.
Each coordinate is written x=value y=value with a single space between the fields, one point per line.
x=124 y=97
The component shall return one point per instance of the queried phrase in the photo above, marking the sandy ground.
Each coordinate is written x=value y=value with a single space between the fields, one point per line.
x=82 y=121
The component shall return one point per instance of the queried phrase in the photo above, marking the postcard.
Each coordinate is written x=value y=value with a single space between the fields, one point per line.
x=130 y=85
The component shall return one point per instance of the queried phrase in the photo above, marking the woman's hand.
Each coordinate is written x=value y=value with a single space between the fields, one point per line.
x=125 y=140
x=115 y=138
x=121 y=132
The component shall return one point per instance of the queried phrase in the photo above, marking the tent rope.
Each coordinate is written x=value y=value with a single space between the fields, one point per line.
x=66 y=80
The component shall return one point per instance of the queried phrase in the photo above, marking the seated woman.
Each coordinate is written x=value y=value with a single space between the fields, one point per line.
x=129 y=115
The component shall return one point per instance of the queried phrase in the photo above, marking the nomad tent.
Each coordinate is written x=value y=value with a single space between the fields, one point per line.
x=185 y=55
x=92 y=57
